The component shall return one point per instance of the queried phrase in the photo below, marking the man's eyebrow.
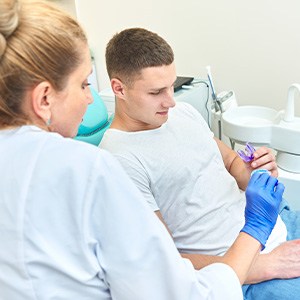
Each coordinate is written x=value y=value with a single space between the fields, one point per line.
x=161 y=88
x=158 y=89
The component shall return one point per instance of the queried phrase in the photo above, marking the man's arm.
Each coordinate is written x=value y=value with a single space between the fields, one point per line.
x=267 y=266
x=283 y=262
x=263 y=159
x=240 y=256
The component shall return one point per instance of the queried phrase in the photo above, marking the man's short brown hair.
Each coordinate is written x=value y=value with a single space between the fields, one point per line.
x=134 y=49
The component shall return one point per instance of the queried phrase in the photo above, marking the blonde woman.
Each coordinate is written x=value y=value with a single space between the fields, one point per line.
x=72 y=225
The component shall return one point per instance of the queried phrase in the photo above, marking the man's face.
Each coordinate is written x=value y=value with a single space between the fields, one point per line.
x=148 y=99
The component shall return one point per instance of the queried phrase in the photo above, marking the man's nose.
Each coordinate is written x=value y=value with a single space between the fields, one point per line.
x=169 y=99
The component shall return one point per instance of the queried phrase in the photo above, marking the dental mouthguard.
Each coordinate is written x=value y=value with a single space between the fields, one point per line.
x=247 y=155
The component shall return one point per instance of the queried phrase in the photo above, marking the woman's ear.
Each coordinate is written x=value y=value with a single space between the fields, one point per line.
x=41 y=101
x=118 y=88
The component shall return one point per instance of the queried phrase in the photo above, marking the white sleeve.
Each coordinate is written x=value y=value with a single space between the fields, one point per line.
x=135 y=251
x=220 y=282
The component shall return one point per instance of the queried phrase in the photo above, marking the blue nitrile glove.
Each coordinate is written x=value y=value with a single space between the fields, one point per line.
x=263 y=197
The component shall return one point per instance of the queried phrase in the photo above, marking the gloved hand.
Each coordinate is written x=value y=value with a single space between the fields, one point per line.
x=263 y=197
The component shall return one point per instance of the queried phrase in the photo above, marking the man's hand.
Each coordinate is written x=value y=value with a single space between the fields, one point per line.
x=282 y=263
x=285 y=260
x=240 y=170
x=264 y=159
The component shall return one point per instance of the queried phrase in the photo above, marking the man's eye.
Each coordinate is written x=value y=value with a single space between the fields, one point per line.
x=155 y=93
x=85 y=84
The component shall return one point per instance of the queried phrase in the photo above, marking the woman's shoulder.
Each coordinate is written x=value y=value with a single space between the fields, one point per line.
x=52 y=148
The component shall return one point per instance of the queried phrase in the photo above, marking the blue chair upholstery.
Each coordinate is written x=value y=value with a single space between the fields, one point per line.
x=95 y=121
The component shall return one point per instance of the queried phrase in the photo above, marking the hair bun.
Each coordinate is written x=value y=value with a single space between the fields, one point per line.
x=9 y=20
x=2 y=44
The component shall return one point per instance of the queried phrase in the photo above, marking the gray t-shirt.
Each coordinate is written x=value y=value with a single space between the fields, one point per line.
x=180 y=171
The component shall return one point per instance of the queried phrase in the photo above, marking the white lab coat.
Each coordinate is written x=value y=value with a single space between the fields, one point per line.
x=73 y=226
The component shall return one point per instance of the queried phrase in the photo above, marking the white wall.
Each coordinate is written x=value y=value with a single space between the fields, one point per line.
x=67 y=5
x=253 y=47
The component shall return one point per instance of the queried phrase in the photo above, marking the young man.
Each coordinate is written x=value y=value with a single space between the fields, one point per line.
x=189 y=178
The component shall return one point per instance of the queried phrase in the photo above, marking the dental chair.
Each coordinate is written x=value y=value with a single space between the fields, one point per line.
x=95 y=121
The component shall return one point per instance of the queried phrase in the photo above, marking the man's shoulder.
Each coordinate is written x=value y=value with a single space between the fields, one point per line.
x=116 y=141
x=186 y=111
x=184 y=108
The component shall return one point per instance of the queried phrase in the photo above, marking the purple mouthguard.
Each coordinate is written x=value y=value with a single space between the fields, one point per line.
x=247 y=155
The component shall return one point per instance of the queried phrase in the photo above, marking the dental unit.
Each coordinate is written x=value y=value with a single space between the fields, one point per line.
x=279 y=130
x=261 y=125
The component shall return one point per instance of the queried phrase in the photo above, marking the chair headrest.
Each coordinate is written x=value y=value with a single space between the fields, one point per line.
x=95 y=121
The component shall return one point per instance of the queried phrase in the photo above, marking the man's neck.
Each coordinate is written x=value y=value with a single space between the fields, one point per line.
x=125 y=123
x=119 y=124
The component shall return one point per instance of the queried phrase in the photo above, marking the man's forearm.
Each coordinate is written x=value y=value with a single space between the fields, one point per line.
x=254 y=271
x=239 y=171
x=234 y=165
x=261 y=270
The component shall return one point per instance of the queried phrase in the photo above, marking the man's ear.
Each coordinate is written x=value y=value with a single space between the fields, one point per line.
x=41 y=101
x=118 y=88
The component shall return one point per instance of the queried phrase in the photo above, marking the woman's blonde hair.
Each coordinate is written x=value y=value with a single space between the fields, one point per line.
x=38 y=42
